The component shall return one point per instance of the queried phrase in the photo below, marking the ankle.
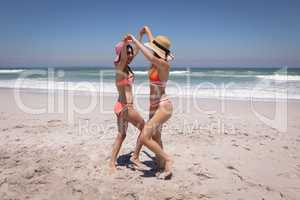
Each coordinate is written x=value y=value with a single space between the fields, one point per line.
x=134 y=156
x=169 y=160
x=112 y=163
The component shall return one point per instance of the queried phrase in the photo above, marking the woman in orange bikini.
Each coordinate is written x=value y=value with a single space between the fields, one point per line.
x=158 y=53
x=124 y=106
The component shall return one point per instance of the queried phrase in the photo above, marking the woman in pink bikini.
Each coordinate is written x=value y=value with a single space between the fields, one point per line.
x=158 y=53
x=124 y=106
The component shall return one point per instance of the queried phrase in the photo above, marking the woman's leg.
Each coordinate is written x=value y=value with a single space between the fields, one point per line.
x=162 y=114
x=158 y=159
x=122 y=129
x=135 y=118
x=157 y=137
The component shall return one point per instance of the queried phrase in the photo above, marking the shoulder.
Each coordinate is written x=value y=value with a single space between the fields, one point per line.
x=164 y=64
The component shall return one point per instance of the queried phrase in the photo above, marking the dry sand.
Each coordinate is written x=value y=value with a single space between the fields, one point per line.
x=227 y=154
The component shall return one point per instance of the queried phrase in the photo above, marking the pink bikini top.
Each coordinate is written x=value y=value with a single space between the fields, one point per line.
x=126 y=81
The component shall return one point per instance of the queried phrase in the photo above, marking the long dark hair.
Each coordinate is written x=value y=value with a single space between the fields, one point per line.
x=127 y=69
x=129 y=47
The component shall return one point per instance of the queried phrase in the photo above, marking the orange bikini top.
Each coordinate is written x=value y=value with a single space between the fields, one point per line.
x=154 y=77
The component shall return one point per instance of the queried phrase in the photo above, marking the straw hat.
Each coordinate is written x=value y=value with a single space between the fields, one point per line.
x=161 y=45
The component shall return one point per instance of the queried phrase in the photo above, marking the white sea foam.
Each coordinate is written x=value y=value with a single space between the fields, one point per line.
x=141 y=72
x=10 y=71
x=258 y=86
x=278 y=77
x=173 y=89
x=179 y=72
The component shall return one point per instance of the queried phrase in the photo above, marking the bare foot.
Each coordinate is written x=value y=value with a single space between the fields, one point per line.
x=158 y=173
x=136 y=162
x=167 y=174
x=112 y=168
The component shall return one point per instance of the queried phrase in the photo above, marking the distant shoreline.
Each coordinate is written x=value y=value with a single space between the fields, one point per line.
x=146 y=67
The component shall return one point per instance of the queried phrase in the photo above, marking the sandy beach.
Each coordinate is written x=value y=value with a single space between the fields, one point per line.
x=222 y=150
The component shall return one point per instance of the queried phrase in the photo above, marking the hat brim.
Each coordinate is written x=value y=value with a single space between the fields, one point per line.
x=159 y=52
x=117 y=59
x=118 y=49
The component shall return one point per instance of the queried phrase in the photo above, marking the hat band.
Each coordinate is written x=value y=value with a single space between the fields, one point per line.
x=161 y=47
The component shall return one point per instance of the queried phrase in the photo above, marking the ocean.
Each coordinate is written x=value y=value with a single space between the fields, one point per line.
x=231 y=83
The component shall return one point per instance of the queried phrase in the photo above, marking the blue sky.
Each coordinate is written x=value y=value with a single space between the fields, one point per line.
x=203 y=33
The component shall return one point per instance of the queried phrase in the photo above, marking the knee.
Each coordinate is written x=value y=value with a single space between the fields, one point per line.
x=146 y=134
x=144 y=138
x=122 y=136
x=156 y=137
x=141 y=125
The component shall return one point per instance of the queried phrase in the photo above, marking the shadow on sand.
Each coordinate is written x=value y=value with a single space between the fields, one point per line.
x=124 y=160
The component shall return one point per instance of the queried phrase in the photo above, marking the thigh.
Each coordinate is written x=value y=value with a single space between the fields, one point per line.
x=122 y=122
x=152 y=110
x=135 y=118
x=157 y=135
x=162 y=114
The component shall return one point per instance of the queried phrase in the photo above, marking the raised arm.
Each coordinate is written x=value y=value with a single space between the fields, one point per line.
x=139 y=38
x=148 y=33
x=143 y=30
x=149 y=54
x=123 y=58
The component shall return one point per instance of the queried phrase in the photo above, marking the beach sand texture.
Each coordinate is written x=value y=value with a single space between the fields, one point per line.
x=227 y=154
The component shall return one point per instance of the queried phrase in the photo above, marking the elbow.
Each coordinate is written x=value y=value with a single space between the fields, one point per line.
x=151 y=59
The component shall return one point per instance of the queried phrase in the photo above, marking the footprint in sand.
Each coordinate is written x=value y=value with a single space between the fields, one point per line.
x=285 y=174
x=210 y=116
x=232 y=168
x=19 y=126
x=177 y=155
x=235 y=145
x=30 y=173
x=54 y=123
x=198 y=171
x=4 y=157
x=247 y=148
x=239 y=176
x=204 y=175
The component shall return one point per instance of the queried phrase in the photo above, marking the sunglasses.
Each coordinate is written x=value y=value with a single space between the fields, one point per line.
x=129 y=53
